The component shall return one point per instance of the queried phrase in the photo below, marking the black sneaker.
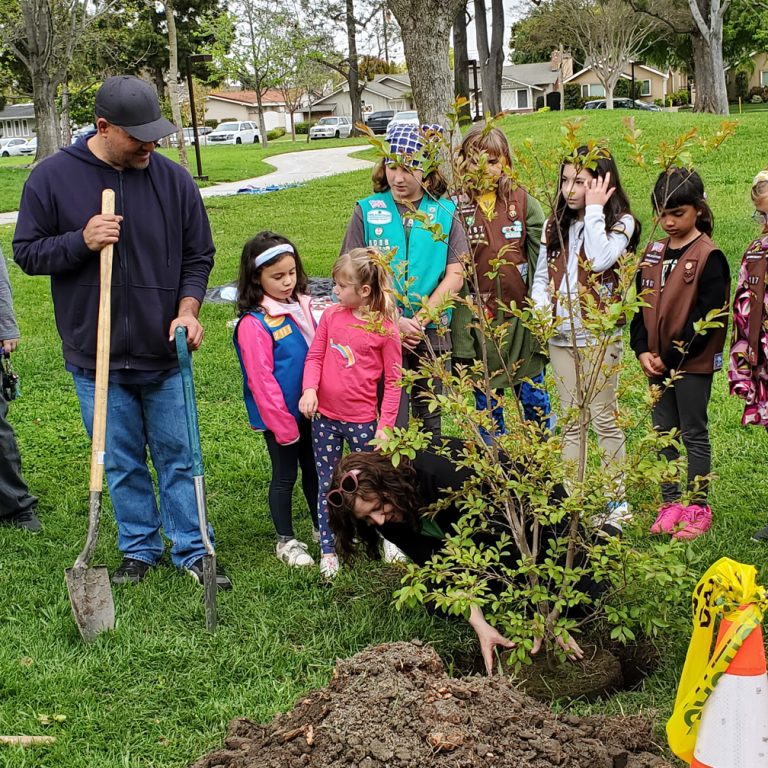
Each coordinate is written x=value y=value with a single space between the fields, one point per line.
x=130 y=571
x=196 y=572
x=761 y=535
x=26 y=520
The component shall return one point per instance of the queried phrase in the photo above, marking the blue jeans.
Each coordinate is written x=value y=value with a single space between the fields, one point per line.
x=141 y=416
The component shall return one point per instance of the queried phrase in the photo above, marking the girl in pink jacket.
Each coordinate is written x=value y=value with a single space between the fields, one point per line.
x=272 y=338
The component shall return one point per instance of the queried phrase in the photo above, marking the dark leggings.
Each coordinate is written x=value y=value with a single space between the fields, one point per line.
x=286 y=459
x=683 y=406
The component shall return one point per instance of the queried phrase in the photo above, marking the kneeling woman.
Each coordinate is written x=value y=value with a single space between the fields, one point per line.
x=369 y=496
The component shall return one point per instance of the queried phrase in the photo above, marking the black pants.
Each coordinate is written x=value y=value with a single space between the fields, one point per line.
x=286 y=459
x=15 y=497
x=683 y=406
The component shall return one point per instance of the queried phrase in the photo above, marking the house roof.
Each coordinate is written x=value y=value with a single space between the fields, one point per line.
x=538 y=73
x=17 y=111
x=665 y=75
x=247 y=98
x=387 y=86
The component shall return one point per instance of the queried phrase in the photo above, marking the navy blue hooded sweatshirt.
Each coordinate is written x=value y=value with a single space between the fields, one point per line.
x=165 y=253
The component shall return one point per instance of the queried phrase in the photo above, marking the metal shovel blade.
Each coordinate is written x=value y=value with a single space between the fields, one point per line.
x=210 y=587
x=90 y=594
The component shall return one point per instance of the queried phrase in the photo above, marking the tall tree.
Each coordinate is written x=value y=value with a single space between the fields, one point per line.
x=425 y=26
x=461 y=56
x=43 y=35
x=174 y=86
x=491 y=56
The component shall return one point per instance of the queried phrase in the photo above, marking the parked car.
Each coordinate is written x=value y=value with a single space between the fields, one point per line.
x=236 y=132
x=84 y=131
x=623 y=104
x=378 y=121
x=30 y=148
x=189 y=135
x=331 y=127
x=411 y=117
x=12 y=147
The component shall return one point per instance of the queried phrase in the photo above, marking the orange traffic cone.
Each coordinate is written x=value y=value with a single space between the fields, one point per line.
x=733 y=732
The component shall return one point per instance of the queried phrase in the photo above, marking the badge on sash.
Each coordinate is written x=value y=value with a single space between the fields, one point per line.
x=470 y=221
x=376 y=203
x=512 y=211
x=378 y=231
x=378 y=217
x=657 y=247
x=513 y=231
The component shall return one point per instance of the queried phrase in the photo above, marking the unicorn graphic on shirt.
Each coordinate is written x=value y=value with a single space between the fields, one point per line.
x=345 y=351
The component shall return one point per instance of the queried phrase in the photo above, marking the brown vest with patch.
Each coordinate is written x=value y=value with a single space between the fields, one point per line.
x=670 y=307
x=602 y=286
x=754 y=264
x=500 y=238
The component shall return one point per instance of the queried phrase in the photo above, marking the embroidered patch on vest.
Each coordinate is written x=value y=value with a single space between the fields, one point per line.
x=378 y=217
x=523 y=269
x=274 y=322
x=286 y=330
x=689 y=271
x=513 y=231
x=718 y=361
x=512 y=211
x=657 y=247
x=377 y=203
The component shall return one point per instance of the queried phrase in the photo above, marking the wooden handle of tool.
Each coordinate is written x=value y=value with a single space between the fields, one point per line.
x=102 y=354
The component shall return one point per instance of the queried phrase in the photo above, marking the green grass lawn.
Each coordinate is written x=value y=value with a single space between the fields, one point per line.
x=159 y=691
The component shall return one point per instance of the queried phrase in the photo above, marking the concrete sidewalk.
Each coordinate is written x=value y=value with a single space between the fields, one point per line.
x=292 y=168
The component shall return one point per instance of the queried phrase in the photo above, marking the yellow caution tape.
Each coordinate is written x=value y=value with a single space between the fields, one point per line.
x=728 y=588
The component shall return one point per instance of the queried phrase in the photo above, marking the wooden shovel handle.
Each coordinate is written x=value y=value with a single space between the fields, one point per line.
x=102 y=354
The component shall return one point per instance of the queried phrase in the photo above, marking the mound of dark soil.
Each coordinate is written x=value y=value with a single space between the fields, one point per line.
x=392 y=706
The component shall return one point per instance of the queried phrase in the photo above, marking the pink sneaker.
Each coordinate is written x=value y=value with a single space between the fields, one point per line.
x=695 y=521
x=668 y=517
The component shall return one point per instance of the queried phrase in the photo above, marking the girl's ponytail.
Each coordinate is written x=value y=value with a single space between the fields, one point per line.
x=366 y=266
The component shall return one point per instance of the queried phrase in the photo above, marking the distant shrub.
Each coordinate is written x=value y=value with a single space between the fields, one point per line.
x=572 y=98
x=303 y=127
x=539 y=103
x=742 y=83
x=275 y=133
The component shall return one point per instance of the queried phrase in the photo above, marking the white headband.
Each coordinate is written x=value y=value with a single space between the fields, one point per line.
x=270 y=253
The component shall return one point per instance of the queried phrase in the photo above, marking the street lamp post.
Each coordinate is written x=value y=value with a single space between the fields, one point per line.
x=191 y=60
x=632 y=91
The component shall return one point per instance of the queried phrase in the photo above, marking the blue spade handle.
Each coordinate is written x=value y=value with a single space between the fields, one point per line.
x=190 y=402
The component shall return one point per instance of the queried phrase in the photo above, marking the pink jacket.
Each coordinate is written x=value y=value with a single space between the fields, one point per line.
x=256 y=348
x=345 y=364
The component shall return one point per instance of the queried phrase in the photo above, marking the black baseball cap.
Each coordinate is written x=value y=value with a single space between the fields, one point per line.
x=131 y=104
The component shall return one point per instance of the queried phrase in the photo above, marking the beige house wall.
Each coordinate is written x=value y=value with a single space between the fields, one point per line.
x=656 y=84
x=218 y=110
x=757 y=79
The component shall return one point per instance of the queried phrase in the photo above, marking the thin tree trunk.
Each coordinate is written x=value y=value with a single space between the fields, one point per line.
x=46 y=118
x=461 y=58
x=65 y=131
x=491 y=56
x=262 y=124
x=353 y=77
x=174 y=90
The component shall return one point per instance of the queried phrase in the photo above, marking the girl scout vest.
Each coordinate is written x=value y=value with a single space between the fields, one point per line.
x=290 y=350
x=601 y=286
x=751 y=292
x=669 y=307
x=502 y=237
x=419 y=260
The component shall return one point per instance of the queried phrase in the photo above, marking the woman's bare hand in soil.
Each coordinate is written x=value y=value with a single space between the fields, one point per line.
x=489 y=638
x=570 y=647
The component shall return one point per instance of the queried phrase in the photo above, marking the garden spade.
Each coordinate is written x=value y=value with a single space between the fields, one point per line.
x=89 y=589
x=193 y=428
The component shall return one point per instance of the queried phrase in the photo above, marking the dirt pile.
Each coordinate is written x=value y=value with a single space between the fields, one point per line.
x=392 y=706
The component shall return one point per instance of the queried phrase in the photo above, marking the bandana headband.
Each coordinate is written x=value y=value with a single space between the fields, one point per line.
x=270 y=253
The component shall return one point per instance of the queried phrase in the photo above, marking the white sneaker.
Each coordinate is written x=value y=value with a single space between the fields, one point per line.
x=392 y=554
x=294 y=553
x=329 y=566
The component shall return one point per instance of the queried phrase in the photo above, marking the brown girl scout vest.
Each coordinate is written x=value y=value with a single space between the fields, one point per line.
x=503 y=238
x=754 y=262
x=602 y=286
x=670 y=306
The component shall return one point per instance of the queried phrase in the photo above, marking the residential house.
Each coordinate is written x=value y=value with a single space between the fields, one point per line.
x=383 y=92
x=521 y=84
x=651 y=83
x=242 y=105
x=756 y=71
x=17 y=120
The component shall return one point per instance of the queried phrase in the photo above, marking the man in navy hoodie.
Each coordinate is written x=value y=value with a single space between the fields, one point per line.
x=163 y=256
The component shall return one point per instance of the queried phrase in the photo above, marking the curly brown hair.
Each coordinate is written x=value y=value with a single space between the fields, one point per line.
x=377 y=478
x=434 y=183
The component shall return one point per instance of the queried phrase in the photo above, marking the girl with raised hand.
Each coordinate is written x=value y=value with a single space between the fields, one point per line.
x=590 y=228
x=408 y=184
x=271 y=338
x=356 y=346
x=683 y=278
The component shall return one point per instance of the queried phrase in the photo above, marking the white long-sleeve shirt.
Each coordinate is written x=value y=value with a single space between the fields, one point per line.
x=602 y=249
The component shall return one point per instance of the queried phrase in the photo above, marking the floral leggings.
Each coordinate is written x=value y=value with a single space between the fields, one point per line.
x=328 y=436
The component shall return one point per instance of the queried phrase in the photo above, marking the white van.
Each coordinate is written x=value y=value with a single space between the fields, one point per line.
x=235 y=132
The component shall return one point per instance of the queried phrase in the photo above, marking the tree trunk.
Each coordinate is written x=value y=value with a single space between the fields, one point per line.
x=491 y=57
x=65 y=130
x=46 y=119
x=425 y=27
x=262 y=125
x=709 y=76
x=353 y=77
x=461 y=59
x=174 y=91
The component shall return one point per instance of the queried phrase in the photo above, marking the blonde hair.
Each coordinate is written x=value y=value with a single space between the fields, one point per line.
x=482 y=140
x=366 y=266
x=760 y=186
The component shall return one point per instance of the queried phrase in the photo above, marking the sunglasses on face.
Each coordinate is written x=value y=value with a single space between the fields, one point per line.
x=347 y=484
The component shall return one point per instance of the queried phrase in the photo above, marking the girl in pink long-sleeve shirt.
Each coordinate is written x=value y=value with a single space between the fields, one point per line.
x=356 y=345
x=272 y=338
